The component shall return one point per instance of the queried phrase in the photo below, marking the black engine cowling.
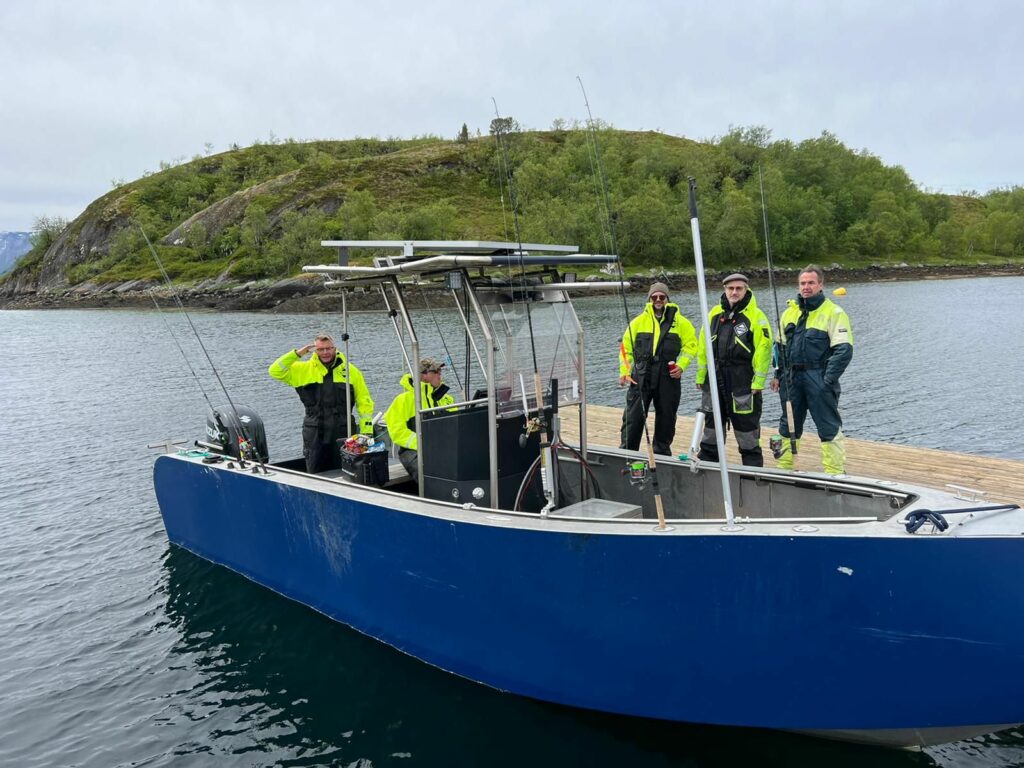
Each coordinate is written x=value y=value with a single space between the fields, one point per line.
x=230 y=428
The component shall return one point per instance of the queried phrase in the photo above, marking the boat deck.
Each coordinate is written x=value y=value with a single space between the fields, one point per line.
x=1001 y=479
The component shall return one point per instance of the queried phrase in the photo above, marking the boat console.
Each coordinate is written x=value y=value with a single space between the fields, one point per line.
x=456 y=463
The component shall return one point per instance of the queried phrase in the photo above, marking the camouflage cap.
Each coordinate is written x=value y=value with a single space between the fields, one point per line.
x=430 y=365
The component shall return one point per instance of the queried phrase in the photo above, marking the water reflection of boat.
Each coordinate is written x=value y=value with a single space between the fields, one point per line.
x=814 y=609
x=284 y=681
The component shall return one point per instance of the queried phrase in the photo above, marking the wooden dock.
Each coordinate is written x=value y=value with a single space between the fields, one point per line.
x=1001 y=479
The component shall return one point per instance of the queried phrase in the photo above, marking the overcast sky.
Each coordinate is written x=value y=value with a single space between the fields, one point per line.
x=98 y=91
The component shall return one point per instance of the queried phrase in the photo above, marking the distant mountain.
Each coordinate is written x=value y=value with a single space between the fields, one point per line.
x=13 y=245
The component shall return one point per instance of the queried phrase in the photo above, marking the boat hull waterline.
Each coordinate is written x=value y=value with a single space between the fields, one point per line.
x=896 y=640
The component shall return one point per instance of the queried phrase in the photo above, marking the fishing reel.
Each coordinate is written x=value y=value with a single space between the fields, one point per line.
x=245 y=450
x=637 y=472
x=779 y=446
x=533 y=425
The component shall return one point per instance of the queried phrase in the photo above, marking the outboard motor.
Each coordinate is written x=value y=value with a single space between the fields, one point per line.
x=223 y=429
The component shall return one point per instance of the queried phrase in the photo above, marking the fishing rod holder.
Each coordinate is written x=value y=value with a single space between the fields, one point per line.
x=169 y=446
x=698 y=431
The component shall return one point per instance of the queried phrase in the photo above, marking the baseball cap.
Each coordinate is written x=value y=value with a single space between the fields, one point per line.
x=430 y=364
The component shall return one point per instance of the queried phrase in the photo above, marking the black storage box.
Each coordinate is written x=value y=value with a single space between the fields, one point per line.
x=369 y=468
x=456 y=457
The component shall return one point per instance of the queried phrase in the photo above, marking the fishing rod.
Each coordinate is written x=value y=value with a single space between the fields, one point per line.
x=501 y=184
x=181 y=308
x=184 y=357
x=593 y=155
x=345 y=338
x=348 y=365
x=514 y=202
x=652 y=463
x=199 y=383
x=468 y=340
x=709 y=351
x=592 y=132
x=437 y=327
x=768 y=244
x=783 y=349
x=532 y=425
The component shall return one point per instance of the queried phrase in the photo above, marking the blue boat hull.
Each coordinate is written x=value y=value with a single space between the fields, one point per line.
x=829 y=633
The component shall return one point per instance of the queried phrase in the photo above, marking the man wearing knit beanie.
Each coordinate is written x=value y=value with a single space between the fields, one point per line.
x=655 y=349
x=657 y=288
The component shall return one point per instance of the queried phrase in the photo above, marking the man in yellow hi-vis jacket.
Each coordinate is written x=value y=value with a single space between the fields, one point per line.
x=816 y=345
x=401 y=414
x=321 y=384
x=656 y=347
x=741 y=340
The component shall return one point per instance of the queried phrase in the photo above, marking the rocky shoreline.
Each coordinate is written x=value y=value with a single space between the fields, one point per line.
x=307 y=294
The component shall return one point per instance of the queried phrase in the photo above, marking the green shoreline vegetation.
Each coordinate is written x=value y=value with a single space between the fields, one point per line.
x=260 y=212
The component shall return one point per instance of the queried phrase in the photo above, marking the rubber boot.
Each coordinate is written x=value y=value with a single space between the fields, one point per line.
x=785 y=459
x=833 y=455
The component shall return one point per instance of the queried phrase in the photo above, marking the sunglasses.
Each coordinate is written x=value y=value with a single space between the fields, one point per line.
x=659 y=297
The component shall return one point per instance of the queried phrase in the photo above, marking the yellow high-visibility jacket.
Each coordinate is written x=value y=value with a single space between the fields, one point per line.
x=749 y=343
x=401 y=414
x=307 y=376
x=816 y=334
x=643 y=341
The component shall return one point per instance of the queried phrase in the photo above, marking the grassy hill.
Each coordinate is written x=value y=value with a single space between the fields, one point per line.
x=260 y=211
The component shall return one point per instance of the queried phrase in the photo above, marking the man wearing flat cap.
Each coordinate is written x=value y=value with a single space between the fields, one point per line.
x=656 y=347
x=401 y=414
x=741 y=342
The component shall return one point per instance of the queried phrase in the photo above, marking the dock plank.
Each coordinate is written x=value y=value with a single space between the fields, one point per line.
x=1001 y=479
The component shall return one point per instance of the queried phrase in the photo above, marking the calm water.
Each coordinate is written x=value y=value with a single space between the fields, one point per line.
x=115 y=650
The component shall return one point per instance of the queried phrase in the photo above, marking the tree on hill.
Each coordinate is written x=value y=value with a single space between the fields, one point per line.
x=735 y=239
x=46 y=230
x=503 y=126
